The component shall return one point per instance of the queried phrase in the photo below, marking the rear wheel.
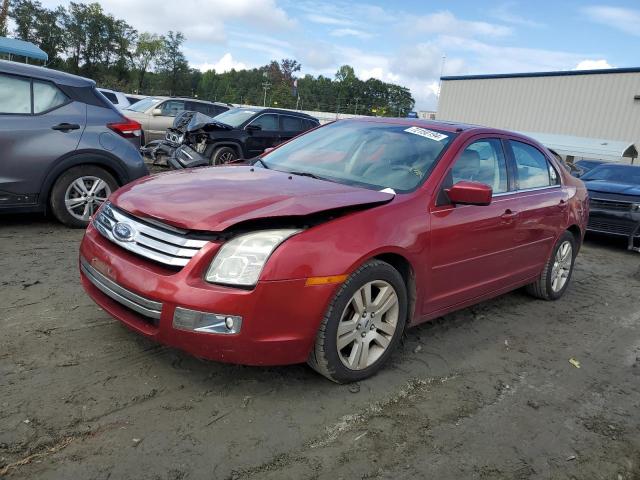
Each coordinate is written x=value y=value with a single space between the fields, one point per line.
x=555 y=276
x=79 y=192
x=223 y=155
x=363 y=324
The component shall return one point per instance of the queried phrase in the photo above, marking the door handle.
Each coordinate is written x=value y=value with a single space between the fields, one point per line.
x=508 y=216
x=65 y=127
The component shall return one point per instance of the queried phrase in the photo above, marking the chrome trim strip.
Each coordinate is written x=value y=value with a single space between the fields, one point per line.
x=161 y=245
x=525 y=190
x=143 y=306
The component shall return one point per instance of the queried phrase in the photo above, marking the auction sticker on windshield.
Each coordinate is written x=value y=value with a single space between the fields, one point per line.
x=423 y=132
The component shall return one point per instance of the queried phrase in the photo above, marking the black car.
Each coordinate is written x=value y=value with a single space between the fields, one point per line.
x=232 y=135
x=614 y=192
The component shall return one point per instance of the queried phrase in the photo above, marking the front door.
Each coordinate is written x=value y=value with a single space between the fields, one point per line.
x=472 y=246
x=158 y=124
x=265 y=136
x=38 y=125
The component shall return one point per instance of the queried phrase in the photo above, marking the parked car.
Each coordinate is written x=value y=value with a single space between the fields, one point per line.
x=156 y=114
x=64 y=146
x=234 y=134
x=614 y=192
x=119 y=99
x=412 y=115
x=328 y=246
x=585 y=166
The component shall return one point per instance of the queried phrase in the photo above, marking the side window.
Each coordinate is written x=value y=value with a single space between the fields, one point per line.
x=534 y=170
x=482 y=161
x=217 y=110
x=291 y=124
x=309 y=124
x=268 y=122
x=15 y=95
x=199 y=107
x=47 y=96
x=171 y=108
x=110 y=96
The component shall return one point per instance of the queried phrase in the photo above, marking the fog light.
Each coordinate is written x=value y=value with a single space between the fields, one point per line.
x=192 y=320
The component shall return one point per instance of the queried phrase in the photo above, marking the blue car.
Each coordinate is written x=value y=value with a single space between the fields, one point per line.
x=614 y=193
x=65 y=147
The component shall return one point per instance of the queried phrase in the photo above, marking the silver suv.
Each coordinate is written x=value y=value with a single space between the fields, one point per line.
x=156 y=114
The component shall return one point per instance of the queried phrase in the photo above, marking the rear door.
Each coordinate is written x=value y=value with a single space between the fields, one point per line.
x=541 y=203
x=38 y=125
x=472 y=246
x=268 y=134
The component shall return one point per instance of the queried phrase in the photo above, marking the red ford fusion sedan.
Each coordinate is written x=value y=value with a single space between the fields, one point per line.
x=325 y=249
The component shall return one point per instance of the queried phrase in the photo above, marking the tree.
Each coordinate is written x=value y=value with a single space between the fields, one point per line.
x=41 y=26
x=149 y=49
x=173 y=62
x=4 y=16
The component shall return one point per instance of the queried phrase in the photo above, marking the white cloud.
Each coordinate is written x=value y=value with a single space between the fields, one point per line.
x=225 y=64
x=592 y=64
x=445 y=22
x=505 y=14
x=626 y=20
x=328 y=20
x=198 y=20
x=350 y=32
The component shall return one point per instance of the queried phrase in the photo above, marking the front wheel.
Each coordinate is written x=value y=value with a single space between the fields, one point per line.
x=555 y=276
x=363 y=324
x=223 y=155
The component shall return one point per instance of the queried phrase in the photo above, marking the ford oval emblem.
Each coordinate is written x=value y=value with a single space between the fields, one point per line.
x=123 y=231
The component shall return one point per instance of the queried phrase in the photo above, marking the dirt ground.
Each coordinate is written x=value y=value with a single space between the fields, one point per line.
x=485 y=393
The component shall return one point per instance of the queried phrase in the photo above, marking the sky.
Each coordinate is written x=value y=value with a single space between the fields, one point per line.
x=401 y=42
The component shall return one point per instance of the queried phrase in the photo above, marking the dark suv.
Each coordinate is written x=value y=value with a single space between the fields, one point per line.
x=64 y=145
x=238 y=133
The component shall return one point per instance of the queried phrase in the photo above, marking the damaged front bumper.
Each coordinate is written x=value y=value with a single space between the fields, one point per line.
x=186 y=157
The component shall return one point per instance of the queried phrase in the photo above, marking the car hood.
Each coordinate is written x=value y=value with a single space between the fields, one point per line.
x=612 y=187
x=216 y=198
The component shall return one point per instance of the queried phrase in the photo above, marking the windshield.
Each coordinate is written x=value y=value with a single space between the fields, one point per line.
x=144 y=104
x=236 y=116
x=615 y=173
x=368 y=154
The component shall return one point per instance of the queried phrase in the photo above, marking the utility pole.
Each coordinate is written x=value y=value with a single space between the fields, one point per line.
x=444 y=59
x=266 y=85
x=355 y=112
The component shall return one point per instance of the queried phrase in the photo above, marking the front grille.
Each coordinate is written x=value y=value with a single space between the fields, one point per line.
x=610 y=204
x=161 y=243
x=609 y=227
x=139 y=304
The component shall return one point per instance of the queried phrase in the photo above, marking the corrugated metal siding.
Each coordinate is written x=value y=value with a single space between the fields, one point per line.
x=597 y=106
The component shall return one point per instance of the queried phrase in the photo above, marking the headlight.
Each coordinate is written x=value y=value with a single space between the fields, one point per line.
x=635 y=207
x=241 y=260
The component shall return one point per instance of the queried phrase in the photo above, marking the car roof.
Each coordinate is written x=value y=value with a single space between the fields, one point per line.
x=55 y=76
x=443 y=125
x=189 y=99
x=281 y=111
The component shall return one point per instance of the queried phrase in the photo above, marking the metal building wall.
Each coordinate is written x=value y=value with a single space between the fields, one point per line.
x=591 y=105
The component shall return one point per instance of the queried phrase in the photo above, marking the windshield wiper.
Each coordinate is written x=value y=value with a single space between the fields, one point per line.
x=264 y=164
x=306 y=174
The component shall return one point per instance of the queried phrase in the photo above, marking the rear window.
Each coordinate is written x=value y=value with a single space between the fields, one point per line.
x=534 y=170
x=47 y=96
x=291 y=124
x=15 y=94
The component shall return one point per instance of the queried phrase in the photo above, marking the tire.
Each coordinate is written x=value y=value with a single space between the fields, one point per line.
x=223 y=155
x=68 y=190
x=327 y=359
x=544 y=287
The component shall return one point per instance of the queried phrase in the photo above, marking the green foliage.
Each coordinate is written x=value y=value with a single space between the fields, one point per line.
x=85 y=40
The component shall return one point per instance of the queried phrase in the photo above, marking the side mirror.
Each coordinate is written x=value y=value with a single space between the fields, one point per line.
x=470 y=193
x=252 y=128
x=156 y=112
x=267 y=150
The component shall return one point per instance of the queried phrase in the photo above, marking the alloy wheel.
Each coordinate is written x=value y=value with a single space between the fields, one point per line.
x=367 y=325
x=561 y=266
x=226 y=157
x=85 y=195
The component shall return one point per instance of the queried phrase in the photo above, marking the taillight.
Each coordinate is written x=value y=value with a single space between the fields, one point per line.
x=127 y=128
